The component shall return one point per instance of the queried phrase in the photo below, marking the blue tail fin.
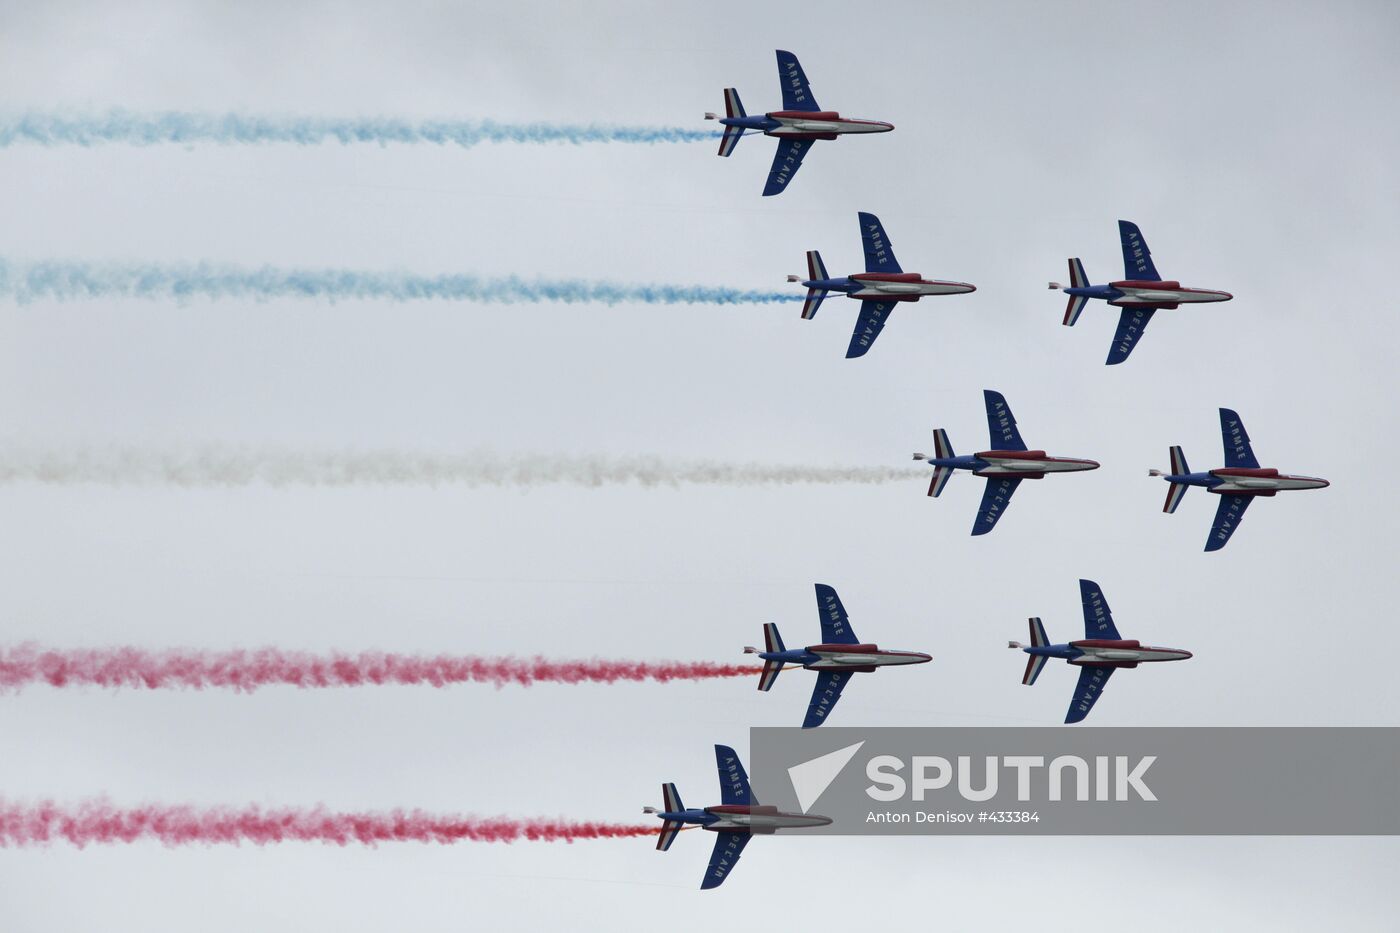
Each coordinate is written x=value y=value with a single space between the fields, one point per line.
x=816 y=271
x=1038 y=638
x=1077 y=279
x=942 y=449
x=732 y=134
x=1175 y=491
x=670 y=803
x=773 y=643
x=671 y=798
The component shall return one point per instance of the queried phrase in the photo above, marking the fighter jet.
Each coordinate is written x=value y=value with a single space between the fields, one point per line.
x=800 y=123
x=1237 y=483
x=736 y=820
x=877 y=288
x=1097 y=655
x=1004 y=466
x=839 y=656
x=1141 y=293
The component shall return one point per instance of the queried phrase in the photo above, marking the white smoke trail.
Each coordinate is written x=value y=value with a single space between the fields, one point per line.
x=229 y=129
x=76 y=281
x=211 y=466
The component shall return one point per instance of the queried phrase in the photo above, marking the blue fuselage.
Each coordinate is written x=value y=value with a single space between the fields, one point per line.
x=1103 y=292
x=845 y=284
x=1066 y=651
x=1208 y=480
x=758 y=123
x=967 y=462
x=795 y=656
x=691 y=816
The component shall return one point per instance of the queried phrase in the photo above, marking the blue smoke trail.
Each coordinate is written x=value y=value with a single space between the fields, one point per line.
x=150 y=129
x=70 y=281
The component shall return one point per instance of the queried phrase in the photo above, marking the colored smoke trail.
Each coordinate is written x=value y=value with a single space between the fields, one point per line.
x=246 y=671
x=76 y=281
x=233 y=129
x=100 y=822
x=226 y=467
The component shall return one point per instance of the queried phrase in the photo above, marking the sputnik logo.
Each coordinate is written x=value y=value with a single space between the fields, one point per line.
x=811 y=778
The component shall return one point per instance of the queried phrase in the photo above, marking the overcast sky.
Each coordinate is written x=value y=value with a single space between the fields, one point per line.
x=1254 y=143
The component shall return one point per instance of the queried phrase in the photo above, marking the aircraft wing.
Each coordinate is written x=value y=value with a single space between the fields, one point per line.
x=1137 y=258
x=994 y=502
x=1098 y=618
x=1227 y=518
x=836 y=625
x=786 y=161
x=879 y=255
x=1238 y=452
x=1001 y=424
x=728 y=845
x=1131 y=324
x=1087 y=693
x=873 y=315
x=797 y=92
x=733 y=780
x=824 y=696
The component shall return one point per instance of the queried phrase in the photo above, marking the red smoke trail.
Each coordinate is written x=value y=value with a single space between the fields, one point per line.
x=246 y=671
x=99 y=822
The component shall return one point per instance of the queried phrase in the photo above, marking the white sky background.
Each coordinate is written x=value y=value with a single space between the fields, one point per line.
x=1255 y=145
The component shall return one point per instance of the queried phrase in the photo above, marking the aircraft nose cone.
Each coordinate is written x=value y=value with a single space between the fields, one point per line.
x=923 y=658
x=1186 y=655
x=1324 y=483
x=887 y=127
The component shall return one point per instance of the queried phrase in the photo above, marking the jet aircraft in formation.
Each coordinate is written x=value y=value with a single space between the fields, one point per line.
x=878 y=288
x=797 y=126
x=1097 y=655
x=735 y=820
x=840 y=655
x=1141 y=293
x=1238 y=483
x=1004 y=465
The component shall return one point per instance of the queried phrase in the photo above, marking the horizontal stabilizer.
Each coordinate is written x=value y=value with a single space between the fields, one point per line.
x=1038 y=639
x=1077 y=278
x=730 y=139
x=941 y=475
x=1178 y=459
x=732 y=107
x=669 y=831
x=1033 y=665
x=1175 y=493
x=1073 y=309
x=671 y=798
x=942 y=447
